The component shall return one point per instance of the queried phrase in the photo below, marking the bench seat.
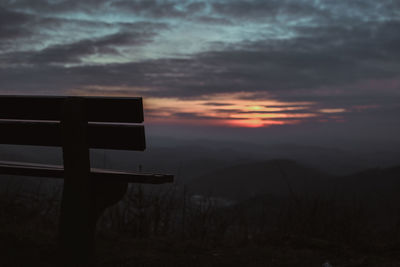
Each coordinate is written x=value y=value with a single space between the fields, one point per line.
x=57 y=172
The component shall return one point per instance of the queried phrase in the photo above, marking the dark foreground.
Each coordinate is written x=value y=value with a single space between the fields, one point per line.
x=157 y=231
x=129 y=252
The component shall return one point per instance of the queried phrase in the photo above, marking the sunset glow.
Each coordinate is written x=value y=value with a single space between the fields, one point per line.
x=234 y=110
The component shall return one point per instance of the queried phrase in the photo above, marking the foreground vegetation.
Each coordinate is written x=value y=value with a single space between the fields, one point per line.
x=170 y=227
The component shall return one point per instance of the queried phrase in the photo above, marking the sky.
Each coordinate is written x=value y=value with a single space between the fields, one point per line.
x=326 y=68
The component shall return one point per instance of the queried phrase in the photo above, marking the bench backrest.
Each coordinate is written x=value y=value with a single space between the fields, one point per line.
x=35 y=120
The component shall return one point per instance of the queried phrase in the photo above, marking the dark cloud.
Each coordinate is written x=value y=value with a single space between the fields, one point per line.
x=76 y=51
x=194 y=116
x=43 y=78
x=55 y=7
x=224 y=111
x=217 y=104
x=286 y=106
x=239 y=111
x=148 y=8
x=318 y=12
x=162 y=9
x=195 y=7
x=29 y=25
x=12 y=24
x=57 y=24
x=297 y=111
x=151 y=8
x=248 y=10
x=213 y=20
x=315 y=61
x=260 y=10
x=73 y=53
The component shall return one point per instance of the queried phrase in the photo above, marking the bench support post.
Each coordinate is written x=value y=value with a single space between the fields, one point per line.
x=77 y=218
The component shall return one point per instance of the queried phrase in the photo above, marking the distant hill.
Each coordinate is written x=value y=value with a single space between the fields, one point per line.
x=377 y=188
x=241 y=171
x=276 y=177
x=373 y=184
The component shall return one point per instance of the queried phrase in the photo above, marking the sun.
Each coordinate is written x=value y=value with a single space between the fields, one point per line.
x=247 y=123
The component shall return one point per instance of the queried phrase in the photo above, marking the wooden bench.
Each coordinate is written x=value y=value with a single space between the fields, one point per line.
x=77 y=124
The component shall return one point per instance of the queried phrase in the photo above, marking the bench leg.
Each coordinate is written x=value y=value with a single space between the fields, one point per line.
x=77 y=216
x=76 y=228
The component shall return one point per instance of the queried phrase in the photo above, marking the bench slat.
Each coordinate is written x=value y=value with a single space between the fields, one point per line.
x=100 y=109
x=55 y=171
x=103 y=136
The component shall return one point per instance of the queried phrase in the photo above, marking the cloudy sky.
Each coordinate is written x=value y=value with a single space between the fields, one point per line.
x=234 y=64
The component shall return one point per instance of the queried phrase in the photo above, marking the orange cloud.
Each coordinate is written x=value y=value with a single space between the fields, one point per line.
x=237 y=109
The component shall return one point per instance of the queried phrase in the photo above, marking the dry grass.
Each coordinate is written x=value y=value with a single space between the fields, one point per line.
x=167 y=228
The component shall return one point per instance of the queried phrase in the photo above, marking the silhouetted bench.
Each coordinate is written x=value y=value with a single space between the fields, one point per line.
x=77 y=124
